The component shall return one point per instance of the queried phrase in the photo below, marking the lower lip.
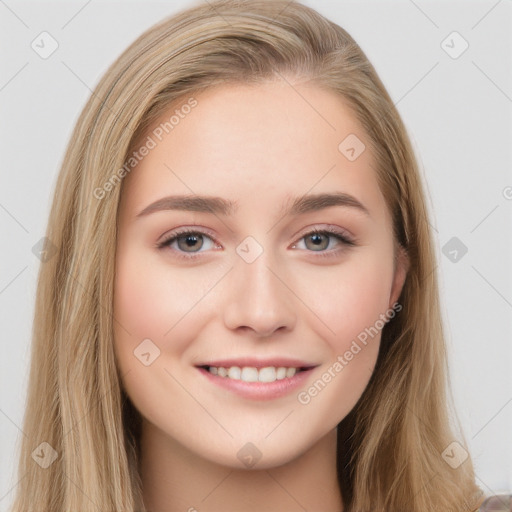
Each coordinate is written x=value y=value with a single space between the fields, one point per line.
x=259 y=390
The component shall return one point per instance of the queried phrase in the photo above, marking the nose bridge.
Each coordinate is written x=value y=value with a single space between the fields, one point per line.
x=256 y=296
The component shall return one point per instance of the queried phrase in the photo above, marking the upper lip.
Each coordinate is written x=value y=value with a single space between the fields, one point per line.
x=259 y=363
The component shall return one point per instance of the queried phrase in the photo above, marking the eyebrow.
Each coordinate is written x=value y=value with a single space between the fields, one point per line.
x=219 y=205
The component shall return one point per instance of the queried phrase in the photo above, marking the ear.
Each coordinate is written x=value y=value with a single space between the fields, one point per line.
x=402 y=264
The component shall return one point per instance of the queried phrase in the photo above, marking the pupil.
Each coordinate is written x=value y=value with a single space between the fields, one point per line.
x=190 y=240
x=316 y=238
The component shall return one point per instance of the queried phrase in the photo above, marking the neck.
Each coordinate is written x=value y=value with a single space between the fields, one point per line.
x=176 y=479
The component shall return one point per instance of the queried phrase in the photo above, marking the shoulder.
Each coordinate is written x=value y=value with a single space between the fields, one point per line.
x=496 y=503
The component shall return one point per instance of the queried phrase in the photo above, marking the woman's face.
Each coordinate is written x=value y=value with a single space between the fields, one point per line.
x=251 y=286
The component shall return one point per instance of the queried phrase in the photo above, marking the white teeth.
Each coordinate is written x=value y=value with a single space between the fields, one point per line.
x=234 y=372
x=281 y=373
x=268 y=374
x=251 y=374
x=290 y=372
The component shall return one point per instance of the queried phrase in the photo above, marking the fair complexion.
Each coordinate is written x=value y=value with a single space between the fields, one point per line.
x=198 y=299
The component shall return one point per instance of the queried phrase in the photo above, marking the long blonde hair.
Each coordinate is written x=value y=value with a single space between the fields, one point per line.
x=391 y=446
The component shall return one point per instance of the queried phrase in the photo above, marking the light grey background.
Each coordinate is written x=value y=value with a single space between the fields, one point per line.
x=457 y=110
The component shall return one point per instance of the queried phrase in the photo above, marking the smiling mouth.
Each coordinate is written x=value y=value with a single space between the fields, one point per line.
x=253 y=374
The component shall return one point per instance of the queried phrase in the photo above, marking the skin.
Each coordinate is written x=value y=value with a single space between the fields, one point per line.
x=259 y=146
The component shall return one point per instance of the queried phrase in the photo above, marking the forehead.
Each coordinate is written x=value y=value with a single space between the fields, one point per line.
x=256 y=145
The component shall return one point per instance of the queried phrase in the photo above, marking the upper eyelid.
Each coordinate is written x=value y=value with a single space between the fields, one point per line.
x=184 y=231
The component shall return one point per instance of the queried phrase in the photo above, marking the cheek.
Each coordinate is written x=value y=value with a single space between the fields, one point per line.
x=140 y=298
x=146 y=303
x=348 y=301
x=349 y=298
x=158 y=301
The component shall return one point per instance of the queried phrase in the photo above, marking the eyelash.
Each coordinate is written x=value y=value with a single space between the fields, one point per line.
x=340 y=236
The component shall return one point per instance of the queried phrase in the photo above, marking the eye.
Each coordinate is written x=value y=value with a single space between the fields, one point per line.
x=320 y=239
x=187 y=241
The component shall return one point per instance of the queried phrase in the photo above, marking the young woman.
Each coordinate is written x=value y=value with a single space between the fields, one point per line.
x=243 y=311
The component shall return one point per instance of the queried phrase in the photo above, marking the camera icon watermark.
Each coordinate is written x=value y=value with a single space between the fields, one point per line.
x=44 y=249
x=44 y=45
x=44 y=455
x=454 y=249
x=249 y=455
x=351 y=147
x=454 y=45
x=146 y=352
x=454 y=454
x=249 y=249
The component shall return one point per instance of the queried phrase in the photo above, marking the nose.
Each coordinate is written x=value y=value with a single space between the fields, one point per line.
x=258 y=298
